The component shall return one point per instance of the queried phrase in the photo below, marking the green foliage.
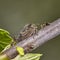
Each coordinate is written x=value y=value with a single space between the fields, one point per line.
x=5 y=39
x=20 y=50
x=29 y=56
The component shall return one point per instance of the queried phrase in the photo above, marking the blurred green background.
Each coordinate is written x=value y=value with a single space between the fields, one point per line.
x=14 y=14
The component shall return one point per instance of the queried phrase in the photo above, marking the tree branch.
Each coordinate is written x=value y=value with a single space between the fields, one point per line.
x=37 y=40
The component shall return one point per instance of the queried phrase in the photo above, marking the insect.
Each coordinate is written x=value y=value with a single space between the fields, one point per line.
x=28 y=30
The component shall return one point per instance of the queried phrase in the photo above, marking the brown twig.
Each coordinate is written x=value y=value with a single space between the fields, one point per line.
x=41 y=37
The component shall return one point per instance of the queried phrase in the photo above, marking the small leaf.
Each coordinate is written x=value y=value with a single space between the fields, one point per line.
x=5 y=39
x=20 y=50
x=7 y=47
x=29 y=56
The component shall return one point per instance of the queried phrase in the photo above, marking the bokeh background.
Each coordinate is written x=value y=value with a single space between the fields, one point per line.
x=14 y=14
